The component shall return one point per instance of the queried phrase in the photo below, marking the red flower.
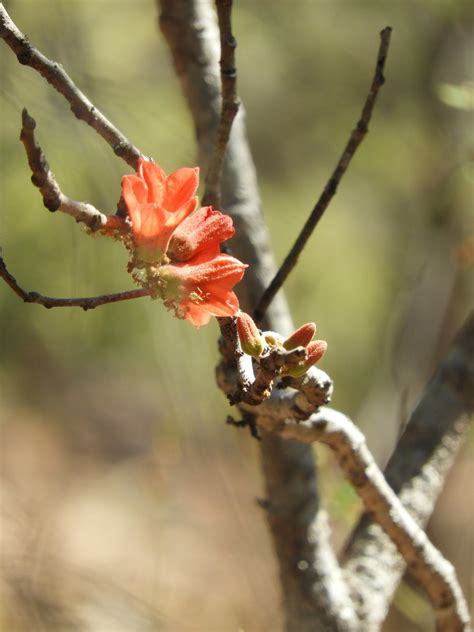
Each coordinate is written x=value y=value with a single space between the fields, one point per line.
x=202 y=287
x=177 y=255
x=203 y=230
x=157 y=204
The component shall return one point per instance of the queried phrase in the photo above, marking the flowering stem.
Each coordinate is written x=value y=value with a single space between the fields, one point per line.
x=356 y=137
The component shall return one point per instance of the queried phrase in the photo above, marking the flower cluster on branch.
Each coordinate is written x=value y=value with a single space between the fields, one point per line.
x=175 y=249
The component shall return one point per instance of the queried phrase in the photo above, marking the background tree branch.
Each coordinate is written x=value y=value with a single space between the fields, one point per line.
x=416 y=472
x=55 y=74
x=355 y=139
x=294 y=512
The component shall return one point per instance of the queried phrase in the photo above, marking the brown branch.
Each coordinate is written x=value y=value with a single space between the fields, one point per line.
x=356 y=137
x=230 y=104
x=53 y=198
x=424 y=561
x=54 y=74
x=90 y=302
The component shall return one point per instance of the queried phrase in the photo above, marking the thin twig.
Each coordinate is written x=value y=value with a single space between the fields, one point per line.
x=54 y=74
x=53 y=198
x=330 y=189
x=424 y=561
x=90 y=302
x=230 y=103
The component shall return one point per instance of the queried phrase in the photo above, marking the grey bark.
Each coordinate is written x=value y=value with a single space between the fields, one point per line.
x=416 y=472
x=314 y=600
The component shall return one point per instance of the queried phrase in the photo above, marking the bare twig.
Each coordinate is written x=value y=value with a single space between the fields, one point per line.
x=230 y=104
x=53 y=198
x=90 y=302
x=424 y=561
x=356 y=137
x=53 y=72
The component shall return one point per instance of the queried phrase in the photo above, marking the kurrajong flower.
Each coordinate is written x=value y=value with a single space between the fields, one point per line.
x=157 y=204
x=176 y=254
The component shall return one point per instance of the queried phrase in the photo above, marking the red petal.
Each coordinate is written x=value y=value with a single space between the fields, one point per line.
x=133 y=190
x=155 y=179
x=180 y=186
x=147 y=223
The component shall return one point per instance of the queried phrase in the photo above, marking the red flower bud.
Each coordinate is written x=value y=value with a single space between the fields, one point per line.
x=251 y=340
x=315 y=351
x=301 y=337
x=202 y=230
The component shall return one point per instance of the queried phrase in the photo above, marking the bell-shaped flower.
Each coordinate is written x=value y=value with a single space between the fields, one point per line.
x=201 y=287
x=157 y=204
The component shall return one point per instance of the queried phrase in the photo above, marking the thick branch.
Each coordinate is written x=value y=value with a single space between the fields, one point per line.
x=90 y=302
x=424 y=561
x=53 y=198
x=230 y=104
x=54 y=74
x=416 y=472
x=319 y=596
x=356 y=137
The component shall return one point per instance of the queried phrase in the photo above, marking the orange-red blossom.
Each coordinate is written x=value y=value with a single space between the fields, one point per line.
x=176 y=254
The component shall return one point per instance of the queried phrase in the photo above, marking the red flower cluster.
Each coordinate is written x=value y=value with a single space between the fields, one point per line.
x=175 y=254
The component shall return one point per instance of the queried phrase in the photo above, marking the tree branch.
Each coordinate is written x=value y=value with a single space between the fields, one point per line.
x=318 y=596
x=54 y=74
x=356 y=137
x=53 y=198
x=230 y=104
x=416 y=472
x=90 y=302
x=424 y=561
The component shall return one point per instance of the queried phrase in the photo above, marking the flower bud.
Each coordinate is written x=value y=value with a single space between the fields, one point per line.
x=315 y=351
x=301 y=337
x=251 y=340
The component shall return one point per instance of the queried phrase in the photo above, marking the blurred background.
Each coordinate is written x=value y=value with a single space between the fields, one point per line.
x=126 y=502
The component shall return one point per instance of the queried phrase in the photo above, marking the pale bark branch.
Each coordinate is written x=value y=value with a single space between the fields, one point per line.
x=53 y=198
x=424 y=561
x=54 y=74
x=416 y=472
x=356 y=137
x=89 y=302
x=318 y=597
x=230 y=104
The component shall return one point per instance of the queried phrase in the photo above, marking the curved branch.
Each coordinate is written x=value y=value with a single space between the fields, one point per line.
x=416 y=472
x=424 y=561
x=53 y=198
x=89 y=302
x=54 y=74
x=356 y=137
